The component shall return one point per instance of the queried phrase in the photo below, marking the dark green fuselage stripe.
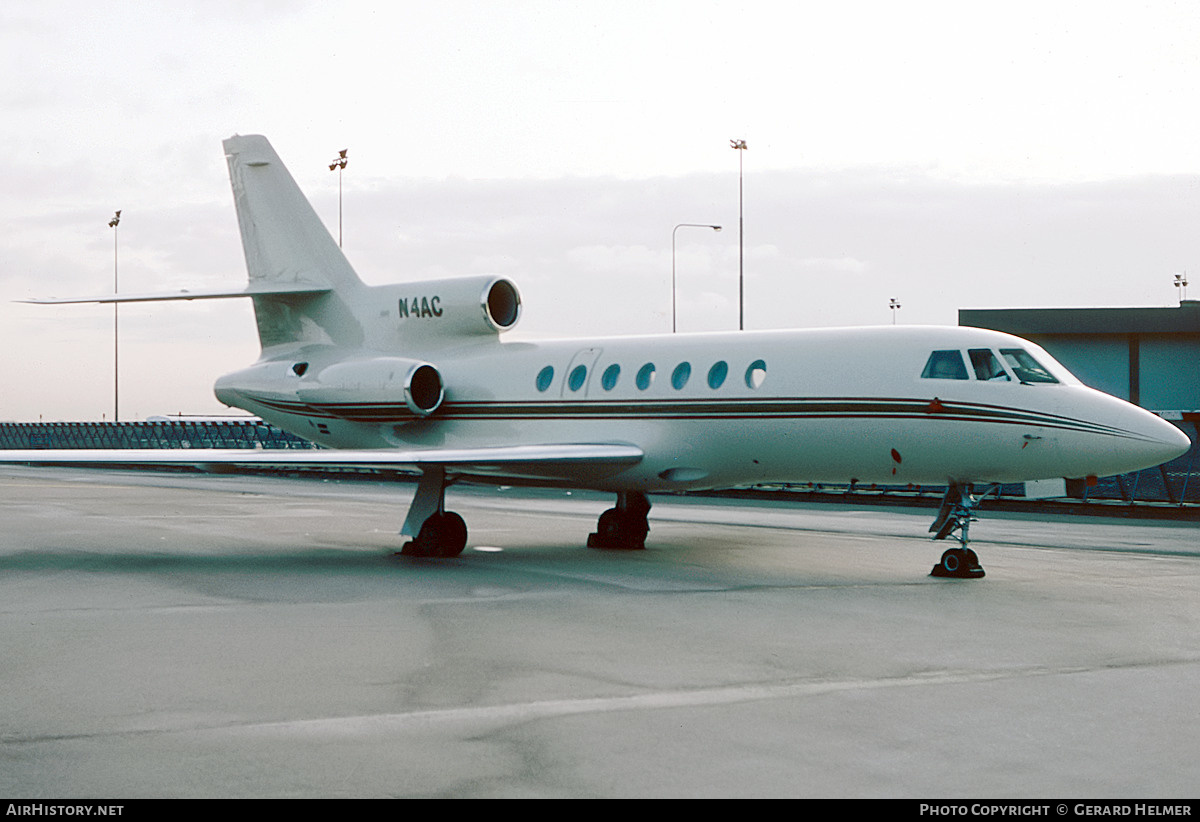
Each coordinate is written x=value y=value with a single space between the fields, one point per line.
x=740 y=409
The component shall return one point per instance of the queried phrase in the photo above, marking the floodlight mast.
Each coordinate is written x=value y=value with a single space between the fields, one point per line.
x=113 y=223
x=740 y=146
x=339 y=163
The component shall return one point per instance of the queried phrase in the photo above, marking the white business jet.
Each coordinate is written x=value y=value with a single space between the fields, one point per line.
x=418 y=376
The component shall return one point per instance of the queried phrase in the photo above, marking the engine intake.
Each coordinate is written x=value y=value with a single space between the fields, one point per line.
x=466 y=306
x=374 y=389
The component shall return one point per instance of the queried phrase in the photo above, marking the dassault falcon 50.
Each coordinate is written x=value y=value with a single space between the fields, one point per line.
x=418 y=376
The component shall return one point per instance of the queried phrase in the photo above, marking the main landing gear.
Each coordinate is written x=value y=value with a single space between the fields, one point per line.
x=436 y=532
x=956 y=514
x=625 y=527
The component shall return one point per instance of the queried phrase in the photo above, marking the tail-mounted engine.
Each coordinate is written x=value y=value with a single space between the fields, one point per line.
x=374 y=389
x=466 y=306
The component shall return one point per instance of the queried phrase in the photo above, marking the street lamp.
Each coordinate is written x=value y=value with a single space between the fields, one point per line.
x=894 y=304
x=1181 y=284
x=740 y=146
x=338 y=164
x=113 y=223
x=681 y=225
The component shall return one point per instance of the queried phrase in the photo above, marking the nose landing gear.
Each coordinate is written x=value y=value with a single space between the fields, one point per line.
x=957 y=514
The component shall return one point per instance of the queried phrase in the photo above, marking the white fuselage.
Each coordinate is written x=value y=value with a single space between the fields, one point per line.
x=724 y=409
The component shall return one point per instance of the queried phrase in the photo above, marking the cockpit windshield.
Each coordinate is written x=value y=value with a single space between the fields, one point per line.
x=945 y=365
x=985 y=365
x=1027 y=369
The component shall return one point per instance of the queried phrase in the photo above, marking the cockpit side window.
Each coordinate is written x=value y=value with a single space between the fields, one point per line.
x=986 y=365
x=945 y=365
x=1027 y=369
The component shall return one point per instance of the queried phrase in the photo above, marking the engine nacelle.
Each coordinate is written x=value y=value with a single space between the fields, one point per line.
x=366 y=389
x=457 y=306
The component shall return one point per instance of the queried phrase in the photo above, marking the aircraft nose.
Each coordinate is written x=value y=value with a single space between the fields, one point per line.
x=1142 y=439
x=1165 y=441
x=1154 y=440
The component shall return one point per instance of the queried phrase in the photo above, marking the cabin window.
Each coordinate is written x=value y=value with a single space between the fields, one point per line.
x=756 y=373
x=986 y=365
x=609 y=379
x=717 y=374
x=545 y=377
x=578 y=377
x=645 y=376
x=300 y=368
x=680 y=375
x=1025 y=366
x=945 y=365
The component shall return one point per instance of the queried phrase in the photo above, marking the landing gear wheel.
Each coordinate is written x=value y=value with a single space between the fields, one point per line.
x=958 y=563
x=623 y=528
x=453 y=535
x=608 y=529
x=442 y=535
x=954 y=519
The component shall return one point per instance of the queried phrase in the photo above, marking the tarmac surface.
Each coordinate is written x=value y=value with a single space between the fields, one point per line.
x=229 y=636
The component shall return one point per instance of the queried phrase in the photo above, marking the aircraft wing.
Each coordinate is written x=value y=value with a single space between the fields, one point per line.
x=273 y=289
x=551 y=461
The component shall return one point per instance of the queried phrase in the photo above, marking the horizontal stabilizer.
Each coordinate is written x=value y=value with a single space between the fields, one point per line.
x=263 y=289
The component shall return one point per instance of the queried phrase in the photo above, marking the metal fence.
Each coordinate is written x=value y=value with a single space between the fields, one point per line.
x=1177 y=481
x=233 y=433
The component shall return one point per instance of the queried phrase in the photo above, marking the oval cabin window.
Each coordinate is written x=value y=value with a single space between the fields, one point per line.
x=756 y=373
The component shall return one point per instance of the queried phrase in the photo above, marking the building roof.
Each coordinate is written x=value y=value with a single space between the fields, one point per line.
x=1183 y=319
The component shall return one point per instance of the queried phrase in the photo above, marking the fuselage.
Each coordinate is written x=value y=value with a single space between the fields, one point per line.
x=723 y=409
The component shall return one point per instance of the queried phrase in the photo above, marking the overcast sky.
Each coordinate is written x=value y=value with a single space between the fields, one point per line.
x=946 y=154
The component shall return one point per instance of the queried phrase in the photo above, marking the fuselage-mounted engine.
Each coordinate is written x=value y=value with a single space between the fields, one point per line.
x=455 y=307
x=372 y=389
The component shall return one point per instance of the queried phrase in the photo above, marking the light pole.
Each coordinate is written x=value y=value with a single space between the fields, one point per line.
x=1181 y=284
x=894 y=304
x=681 y=225
x=113 y=223
x=740 y=146
x=339 y=164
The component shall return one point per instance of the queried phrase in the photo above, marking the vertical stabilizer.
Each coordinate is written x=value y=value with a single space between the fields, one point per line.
x=285 y=242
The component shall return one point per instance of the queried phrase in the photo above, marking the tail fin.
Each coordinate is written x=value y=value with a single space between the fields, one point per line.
x=286 y=244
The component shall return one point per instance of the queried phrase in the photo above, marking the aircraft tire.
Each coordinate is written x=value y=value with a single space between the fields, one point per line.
x=609 y=526
x=617 y=530
x=958 y=563
x=952 y=561
x=452 y=535
x=442 y=535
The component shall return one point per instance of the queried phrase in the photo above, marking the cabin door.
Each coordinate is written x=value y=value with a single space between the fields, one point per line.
x=579 y=373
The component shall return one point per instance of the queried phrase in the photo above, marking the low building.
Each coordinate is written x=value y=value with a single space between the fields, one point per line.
x=1148 y=356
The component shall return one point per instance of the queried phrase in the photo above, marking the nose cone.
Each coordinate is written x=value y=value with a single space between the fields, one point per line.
x=1166 y=442
x=1147 y=440
x=1114 y=437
